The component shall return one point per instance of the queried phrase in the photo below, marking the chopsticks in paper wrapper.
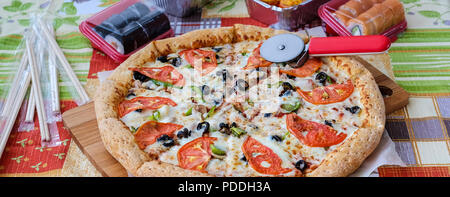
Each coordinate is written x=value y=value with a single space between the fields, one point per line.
x=14 y=100
x=49 y=82
x=36 y=89
x=41 y=60
x=63 y=61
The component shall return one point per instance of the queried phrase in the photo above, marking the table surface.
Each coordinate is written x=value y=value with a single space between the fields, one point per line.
x=420 y=61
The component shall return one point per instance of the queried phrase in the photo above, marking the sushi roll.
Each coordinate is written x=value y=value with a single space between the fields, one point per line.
x=104 y=29
x=397 y=8
x=139 y=8
x=361 y=26
x=375 y=16
x=342 y=16
x=155 y=25
x=355 y=7
x=123 y=44
x=116 y=20
x=135 y=33
x=116 y=41
x=388 y=16
x=365 y=4
x=129 y=15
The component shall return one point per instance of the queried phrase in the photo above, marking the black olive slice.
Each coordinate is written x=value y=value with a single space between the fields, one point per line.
x=138 y=76
x=277 y=138
x=353 y=110
x=301 y=165
x=163 y=59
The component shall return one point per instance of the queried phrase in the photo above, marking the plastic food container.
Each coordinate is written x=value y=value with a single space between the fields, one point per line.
x=181 y=8
x=334 y=26
x=126 y=27
x=284 y=18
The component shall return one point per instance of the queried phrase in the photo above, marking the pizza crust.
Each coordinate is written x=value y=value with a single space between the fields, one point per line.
x=345 y=159
x=119 y=141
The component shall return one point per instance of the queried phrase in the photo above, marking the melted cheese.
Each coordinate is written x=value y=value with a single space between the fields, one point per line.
x=258 y=104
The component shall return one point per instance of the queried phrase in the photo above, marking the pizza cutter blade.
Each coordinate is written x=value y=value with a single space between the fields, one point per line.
x=290 y=47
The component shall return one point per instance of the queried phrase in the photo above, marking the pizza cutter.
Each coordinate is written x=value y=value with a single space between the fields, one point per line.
x=290 y=47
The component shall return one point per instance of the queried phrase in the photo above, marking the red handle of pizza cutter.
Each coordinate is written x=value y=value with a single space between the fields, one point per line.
x=348 y=45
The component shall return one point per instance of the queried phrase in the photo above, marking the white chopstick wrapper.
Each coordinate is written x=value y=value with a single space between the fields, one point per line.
x=31 y=106
x=53 y=72
x=14 y=89
x=36 y=88
x=54 y=90
x=60 y=55
x=20 y=89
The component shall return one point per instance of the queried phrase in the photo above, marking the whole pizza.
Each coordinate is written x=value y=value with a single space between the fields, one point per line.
x=207 y=104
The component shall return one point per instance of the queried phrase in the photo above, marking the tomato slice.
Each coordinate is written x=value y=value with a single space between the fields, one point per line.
x=256 y=61
x=329 y=94
x=309 y=68
x=202 y=60
x=195 y=155
x=166 y=74
x=262 y=159
x=141 y=102
x=319 y=135
x=152 y=130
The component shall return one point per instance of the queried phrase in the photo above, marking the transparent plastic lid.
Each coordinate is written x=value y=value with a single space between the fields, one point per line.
x=128 y=25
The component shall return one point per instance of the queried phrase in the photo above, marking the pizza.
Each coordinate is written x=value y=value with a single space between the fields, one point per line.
x=207 y=104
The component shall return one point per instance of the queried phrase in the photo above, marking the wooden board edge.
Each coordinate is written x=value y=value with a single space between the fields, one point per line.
x=80 y=145
x=399 y=90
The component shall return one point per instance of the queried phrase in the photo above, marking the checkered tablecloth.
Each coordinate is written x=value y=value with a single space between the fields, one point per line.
x=420 y=62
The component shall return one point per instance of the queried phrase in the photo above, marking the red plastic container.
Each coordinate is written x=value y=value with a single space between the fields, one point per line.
x=97 y=41
x=284 y=18
x=334 y=27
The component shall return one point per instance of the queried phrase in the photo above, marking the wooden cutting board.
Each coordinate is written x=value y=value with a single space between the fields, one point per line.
x=82 y=123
